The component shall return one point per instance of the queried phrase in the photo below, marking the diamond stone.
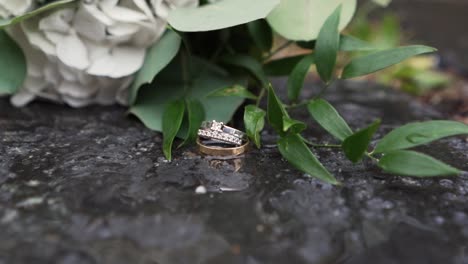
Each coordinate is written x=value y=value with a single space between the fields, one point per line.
x=217 y=126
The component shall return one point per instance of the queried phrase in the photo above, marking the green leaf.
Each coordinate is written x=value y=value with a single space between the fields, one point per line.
x=157 y=58
x=278 y=117
x=15 y=20
x=172 y=120
x=219 y=15
x=293 y=126
x=418 y=133
x=350 y=43
x=328 y=118
x=302 y=19
x=254 y=120
x=296 y=152
x=326 y=48
x=275 y=111
x=411 y=163
x=347 y=43
x=236 y=90
x=204 y=79
x=12 y=63
x=298 y=75
x=249 y=63
x=195 y=116
x=382 y=59
x=356 y=145
x=283 y=66
x=261 y=33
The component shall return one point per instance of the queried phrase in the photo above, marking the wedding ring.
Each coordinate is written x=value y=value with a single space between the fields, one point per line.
x=220 y=137
x=216 y=150
x=221 y=128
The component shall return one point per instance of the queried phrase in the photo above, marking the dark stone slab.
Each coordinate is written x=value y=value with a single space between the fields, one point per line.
x=91 y=186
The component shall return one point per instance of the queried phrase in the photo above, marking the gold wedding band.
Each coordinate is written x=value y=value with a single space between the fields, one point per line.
x=222 y=151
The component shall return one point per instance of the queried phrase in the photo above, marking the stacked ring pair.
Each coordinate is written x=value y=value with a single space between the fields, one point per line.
x=217 y=139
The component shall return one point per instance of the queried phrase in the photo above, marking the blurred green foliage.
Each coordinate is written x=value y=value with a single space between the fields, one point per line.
x=418 y=75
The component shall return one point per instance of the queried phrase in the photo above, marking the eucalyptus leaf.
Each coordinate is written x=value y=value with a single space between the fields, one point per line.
x=12 y=63
x=298 y=75
x=261 y=33
x=328 y=118
x=157 y=58
x=326 y=48
x=205 y=78
x=302 y=19
x=18 y=19
x=195 y=114
x=249 y=63
x=296 y=152
x=220 y=14
x=382 y=3
x=254 y=120
x=283 y=66
x=411 y=163
x=172 y=120
x=355 y=146
x=418 y=133
x=382 y=59
x=236 y=90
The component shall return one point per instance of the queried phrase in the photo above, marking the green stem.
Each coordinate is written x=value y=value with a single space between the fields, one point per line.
x=185 y=61
x=298 y=105
x=306 y=102
x=324 y=145
x=320 y=145
x=260 y=96
x=372 y=157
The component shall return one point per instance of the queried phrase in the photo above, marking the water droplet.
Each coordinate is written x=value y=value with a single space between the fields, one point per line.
x=201 y=190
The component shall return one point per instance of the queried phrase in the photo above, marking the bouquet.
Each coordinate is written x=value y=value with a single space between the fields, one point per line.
x=175 y=63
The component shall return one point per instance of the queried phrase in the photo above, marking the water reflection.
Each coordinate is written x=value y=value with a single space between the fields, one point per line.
x=223 y=174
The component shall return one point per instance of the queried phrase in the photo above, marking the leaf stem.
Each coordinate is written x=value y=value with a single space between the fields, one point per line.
x=320 y=145
x=260 y=96
x=306 y=102
x=297 y=105
x=324 y=145
x=185 y=70
x=372 y=157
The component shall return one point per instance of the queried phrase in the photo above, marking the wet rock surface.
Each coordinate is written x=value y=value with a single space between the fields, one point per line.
x=92 y=186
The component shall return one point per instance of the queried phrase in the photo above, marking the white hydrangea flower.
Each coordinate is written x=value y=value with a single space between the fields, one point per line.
x=89 y=53
x=11 y=8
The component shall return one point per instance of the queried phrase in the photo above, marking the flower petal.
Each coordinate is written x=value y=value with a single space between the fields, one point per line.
x=90 y=25
x=17 y=7
x=36 y=38
x=120 y=62
x=124 y=14
x=76 y=90
x=22 y=98
x=72 y=52
x=58 y=21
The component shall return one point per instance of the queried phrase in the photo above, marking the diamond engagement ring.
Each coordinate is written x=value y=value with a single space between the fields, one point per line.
x=220 y=132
